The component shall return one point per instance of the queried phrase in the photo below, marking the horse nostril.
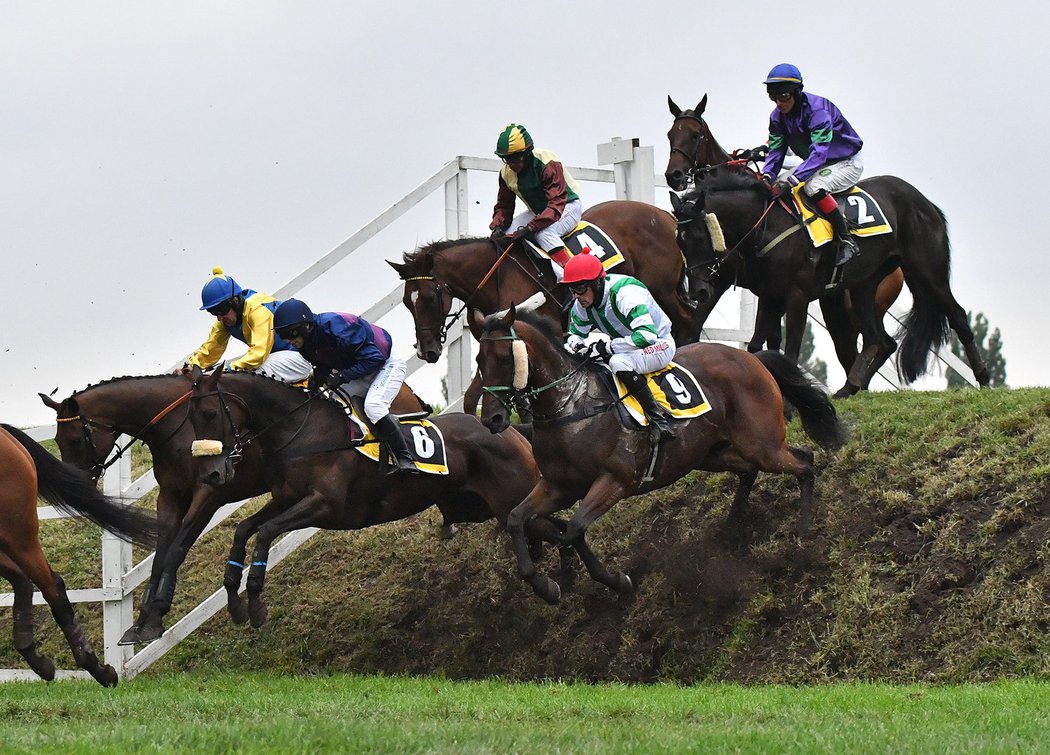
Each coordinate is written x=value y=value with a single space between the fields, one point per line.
x=703 y=296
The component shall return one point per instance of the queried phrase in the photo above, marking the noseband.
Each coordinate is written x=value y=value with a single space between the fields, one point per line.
x=442 y=290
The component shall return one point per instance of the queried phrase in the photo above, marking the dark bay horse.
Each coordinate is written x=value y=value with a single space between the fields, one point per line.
x=584 y=453
x=318 y=481
x=694 y=151
x=436 y=273
x=155 y=410
x=28 y=470
x=788 y=276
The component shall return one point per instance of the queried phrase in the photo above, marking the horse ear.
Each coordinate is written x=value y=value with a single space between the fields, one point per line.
x=478 y=319
x=49 y=402
x=676 y=201
x=699 y=109
x=399 y=268
x=508 y=316
x=675 y=110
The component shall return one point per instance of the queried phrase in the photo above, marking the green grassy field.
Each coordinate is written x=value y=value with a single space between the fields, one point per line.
x=259 y=713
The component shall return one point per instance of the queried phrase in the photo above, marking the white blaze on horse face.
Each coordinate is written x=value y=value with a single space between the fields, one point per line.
x=521 y=365
x=414 y=297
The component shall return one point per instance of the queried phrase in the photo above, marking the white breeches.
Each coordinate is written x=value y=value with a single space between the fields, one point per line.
x=550 y=237
x=380 y=388
x=837 y=177
x=642 y=361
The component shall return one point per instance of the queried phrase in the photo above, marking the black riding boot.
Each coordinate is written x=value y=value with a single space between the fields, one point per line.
x=847 y=247
x=389 y=431
x=638 y=387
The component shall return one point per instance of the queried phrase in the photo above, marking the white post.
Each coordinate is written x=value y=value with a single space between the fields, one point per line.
x=618 y=153
x=748 y=310
x=633 y=168
x=118 y=611
x=459 y=351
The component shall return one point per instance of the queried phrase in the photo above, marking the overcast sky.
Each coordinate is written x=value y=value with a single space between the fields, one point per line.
x=144 y=143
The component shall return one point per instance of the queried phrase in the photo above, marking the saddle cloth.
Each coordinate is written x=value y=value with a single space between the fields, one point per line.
x=863 y=215
x=587 y=236
x=674 y=388
x=424 y=438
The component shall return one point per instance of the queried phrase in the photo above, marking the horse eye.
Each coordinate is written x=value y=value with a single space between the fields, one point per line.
x=210 y=414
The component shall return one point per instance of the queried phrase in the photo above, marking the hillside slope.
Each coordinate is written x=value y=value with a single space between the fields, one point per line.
x=930 y=561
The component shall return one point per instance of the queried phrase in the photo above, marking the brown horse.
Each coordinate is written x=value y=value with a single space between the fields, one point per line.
x=155 y=409
x=584 y=452
x=28 y=470
x=436 y=273
x=767 y=255
x=319 y=480
x=694 y=151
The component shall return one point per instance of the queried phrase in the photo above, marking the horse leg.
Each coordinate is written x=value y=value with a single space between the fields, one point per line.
x=767 y=328
x=31 y=561
x=841 y=328
x=878 y=345
x=22 y=615
x=235 y=561
x=542 y=501
x=958 y=322
x=308 y=512
x=551 y=530
x=169 y=516
x=602 y=496
x=472 y=395
x=795 y=323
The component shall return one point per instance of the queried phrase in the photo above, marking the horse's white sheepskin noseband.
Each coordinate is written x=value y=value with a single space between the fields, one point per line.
x=521 y=364
x=206 y=448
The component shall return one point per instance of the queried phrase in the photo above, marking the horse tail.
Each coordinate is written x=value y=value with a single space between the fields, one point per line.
x=819 y=418
x=926 y=325
x=72 y=490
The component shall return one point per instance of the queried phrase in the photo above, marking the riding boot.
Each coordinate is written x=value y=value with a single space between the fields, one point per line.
x=638 y=386
x=389 y=431
x=560 y=257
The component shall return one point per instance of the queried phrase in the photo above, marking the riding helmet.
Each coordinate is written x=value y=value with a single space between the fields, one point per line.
x=513 y=139
x=583 y=268
x=291 y=312
x=783 y=78
x=219 y=288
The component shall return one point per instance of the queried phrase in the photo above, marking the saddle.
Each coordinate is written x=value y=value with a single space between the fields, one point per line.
x=674 y=387
x=585 y=237
x=864 y=216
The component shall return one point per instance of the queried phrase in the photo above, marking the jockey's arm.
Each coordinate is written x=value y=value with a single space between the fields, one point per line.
x=503 y=212
x=258 y=332
x=211 y=351
x=553 y=178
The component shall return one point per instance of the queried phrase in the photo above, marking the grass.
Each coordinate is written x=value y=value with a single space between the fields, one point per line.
x=265 y=713
x=930 y=563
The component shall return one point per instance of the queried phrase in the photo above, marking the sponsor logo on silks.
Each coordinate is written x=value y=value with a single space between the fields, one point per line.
x=674 y=388
x=588 y=236
x=424 y=438
x=824 y=172
x=863 y=214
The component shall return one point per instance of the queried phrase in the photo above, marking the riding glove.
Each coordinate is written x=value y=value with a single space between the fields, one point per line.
x=519 y=233
x=780 y=187
x=576 y=347
x=601 y=350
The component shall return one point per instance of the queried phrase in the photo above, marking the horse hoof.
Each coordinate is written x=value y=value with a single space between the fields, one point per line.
x=550 y=591
x=130 y=637
x=626 y=585
x=106 y=675
x=43 y=667
x=258 y=612
x=447 y=532
x=238 y=611
x=150 y=632
x=845 y=391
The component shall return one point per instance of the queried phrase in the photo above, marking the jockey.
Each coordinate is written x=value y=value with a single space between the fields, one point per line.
x=550 y=195
x=246 y=315
x=816 y=131
x=350 y=352
x=640 y=333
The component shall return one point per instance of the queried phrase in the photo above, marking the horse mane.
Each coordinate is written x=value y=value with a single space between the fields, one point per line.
x=721 y=179
x=434 y=247
x=545 y=325
x=107 y=381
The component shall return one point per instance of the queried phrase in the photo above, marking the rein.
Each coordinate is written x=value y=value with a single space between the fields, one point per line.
x=518 y=399
x=101 y=465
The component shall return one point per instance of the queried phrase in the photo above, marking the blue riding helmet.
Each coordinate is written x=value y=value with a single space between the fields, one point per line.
x=219 y=288
x=291 y=312
x=784 y=73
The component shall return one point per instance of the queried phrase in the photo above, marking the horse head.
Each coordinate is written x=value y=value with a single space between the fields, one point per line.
x=83 y=441
x=692 y=145
x=427 y=299
x=699 y=247
x=218 y=421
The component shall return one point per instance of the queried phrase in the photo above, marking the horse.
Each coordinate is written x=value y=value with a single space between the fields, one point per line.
x=694 y=151
x=584 y=452
x=29 y=470
x=319 y=480
x=778 y=265
x=154 y=409
x=474 y=271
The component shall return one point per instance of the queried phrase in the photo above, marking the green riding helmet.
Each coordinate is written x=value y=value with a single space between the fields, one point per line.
x=514 y=139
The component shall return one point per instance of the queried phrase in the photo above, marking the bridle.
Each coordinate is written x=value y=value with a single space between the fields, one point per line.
x=521 y=398
x=692 y=159
x=100 y=465
x=443 y=290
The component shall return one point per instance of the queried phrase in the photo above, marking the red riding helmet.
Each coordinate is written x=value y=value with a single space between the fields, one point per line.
x=583 y=268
